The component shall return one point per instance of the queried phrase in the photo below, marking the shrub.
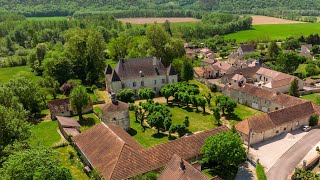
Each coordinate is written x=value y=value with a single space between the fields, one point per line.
x=313 y=120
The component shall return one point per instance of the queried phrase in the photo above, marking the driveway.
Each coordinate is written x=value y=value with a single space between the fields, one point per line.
x=269 y=151
x=289 y=160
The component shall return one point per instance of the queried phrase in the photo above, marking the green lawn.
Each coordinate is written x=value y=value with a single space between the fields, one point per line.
x=147 y=138
x=311 y=97
x=7 y=73
x=89 y=121
x=45 y=133
x=74 y=164
x=275 y=31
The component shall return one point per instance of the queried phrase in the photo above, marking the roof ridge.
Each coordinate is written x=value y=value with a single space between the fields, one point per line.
x=114 y=133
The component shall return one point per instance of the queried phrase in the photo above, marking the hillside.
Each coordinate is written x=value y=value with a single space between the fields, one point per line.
x=64 y=7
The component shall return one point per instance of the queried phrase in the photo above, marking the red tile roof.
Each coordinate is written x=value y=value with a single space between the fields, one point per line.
x=199 y=71
x=114 y=107
x=274 y=119
x=67 y=122
x=178 y=169
x=117 y=156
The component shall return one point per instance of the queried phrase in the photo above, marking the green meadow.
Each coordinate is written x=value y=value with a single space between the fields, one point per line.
x=54 y=18
x=264 y=33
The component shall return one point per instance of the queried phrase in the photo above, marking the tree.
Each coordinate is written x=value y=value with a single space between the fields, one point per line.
x=50 y=85
x=126 y=95
x=226 y=104
x=27 y=92
x=289 y=62
x=312 y=69
x=146 y=93
x=315 y=50
x=37 y=163
x=223 y=153
x=156 y=120
x=313 y=120
x=36 y=58
x=208 y=98
x=157 y=38
x=166 y=91
x=202 y=103
x=217 y=115
x=167 y=27
x=79 y=99
x=195 y=102
x=95 y=56
x=186 y=121
x=301 y=174
x=187 y=71
x=273 y=50
x=294 y=88
x=181 y=129
x=118 y=47
x=291 y=44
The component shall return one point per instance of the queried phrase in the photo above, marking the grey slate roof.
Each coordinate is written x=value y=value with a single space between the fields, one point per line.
x=131 y=68
x=171 y=71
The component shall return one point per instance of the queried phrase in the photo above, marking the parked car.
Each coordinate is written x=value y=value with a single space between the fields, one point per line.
x=306 y=128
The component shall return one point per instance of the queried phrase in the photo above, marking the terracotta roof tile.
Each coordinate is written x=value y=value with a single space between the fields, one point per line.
x=199 y=71
x=179 y=169
x=114 y=107
x=113 y=153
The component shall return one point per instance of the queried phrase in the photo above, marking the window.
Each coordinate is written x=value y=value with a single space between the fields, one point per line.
x=142 y=83
x=134 y=84
x=284 y=129
x=163 y=81
x=277 y=131
x=114 y=119
x=172 y=80
x=135 y=92
x=155 y=89
x=155 y=81
x=122 y=85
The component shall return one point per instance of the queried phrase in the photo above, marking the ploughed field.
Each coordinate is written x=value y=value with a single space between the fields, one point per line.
x=256 y=20
x=158 y=20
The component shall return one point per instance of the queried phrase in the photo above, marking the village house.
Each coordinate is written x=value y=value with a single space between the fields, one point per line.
x=268 y=125
x=62 y=107
x=245 y=49
x=116 y=155
x=208 y=61
x=276 y=81
x=116 y=113
x=306 y=51
x=258 y=98
x=179 y=169
x=139 y=73
x=248 y=73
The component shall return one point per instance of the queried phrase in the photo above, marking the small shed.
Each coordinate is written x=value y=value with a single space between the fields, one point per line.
x=68 y=126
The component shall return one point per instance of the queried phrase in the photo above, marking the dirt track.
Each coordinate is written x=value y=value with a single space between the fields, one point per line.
x=158 y=20
x=271 y=20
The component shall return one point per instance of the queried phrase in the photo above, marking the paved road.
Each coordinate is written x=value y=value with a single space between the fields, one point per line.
x=289 y=160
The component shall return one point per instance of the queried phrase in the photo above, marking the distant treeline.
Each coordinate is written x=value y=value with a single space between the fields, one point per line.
x=156 y=8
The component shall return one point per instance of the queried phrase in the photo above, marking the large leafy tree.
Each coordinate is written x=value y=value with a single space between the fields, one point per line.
x=226 y=104
x=146 y=93
x=223 y=153
x=289 y=62
x=79 y=99
x=187 y=71
x=156 y=120
x=273 y=50
x=27 y=93
x=37 y=163
x=126 y=95
x=294 y=88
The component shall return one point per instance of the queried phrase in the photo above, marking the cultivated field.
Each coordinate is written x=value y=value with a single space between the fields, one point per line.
x=158 y=20
x=271 y=20
x=267 y=32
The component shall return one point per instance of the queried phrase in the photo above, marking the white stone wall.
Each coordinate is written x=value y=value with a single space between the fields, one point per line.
x=155 y=83
x=120 y=118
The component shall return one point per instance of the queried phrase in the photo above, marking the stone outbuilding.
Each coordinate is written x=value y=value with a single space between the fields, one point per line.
x=116 y=113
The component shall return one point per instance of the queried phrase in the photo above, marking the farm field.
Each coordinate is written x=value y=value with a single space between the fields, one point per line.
x=158 y=20
x=7 y=73
x=270 y=32
x=54 y=18
x=256 y=20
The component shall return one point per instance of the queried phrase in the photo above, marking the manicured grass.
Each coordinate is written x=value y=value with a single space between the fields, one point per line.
x=260 y=172
x=55 y=18
x=275 y=31
x=241 y=113
x=74 y=164
x=89 y=121
x=45 y=133
x=8 y=73
x=198 y=120
x=311 y=97
x=146 y=138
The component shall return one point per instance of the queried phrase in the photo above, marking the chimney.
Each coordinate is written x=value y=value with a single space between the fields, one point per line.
x=182 y=166
x=141 y=74
x=114 y=98
x=154 y=61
